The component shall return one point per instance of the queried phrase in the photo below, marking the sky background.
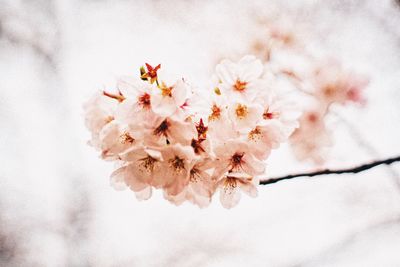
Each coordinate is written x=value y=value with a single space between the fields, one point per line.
x=56 y=205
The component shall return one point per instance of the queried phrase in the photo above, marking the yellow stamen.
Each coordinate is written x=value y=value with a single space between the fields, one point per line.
x=241 y=111
x=239 y=85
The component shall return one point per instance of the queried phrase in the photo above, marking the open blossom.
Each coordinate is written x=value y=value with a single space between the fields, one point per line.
x=334 y=85
x=236 y=156
x=169 y=99
x=241 y=80
x=138 y=100
x=162 y=138
x=99 y=111
x=245 y=116
x=312 y=138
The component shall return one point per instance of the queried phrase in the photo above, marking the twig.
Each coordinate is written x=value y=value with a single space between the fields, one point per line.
x=359 y=138
x=357 y=169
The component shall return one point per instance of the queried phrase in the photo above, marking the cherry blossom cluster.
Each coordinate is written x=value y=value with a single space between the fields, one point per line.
x=320 y=82
x=191 y=146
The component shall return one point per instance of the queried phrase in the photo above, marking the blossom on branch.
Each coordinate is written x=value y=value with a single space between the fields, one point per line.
x=161 y=137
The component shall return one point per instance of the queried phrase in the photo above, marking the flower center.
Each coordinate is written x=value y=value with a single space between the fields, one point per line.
x=215 y=113
x=194 y=175
x=329 y=90
x=230 y=184
x=148 y=163
x=239 y=85
x=162 y=128
x=236 y=160
x=144 y=100
x=126 y=138
x=255 y=133
x=312 y=117
x=177 y=164
x=241 y=111
x=267 y=115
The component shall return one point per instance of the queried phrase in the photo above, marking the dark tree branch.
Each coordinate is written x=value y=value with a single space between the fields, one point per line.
x=357 y=169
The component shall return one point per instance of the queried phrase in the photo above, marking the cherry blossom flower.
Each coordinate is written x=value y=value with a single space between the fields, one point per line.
x=143 y=166
x=169 y=99
x=245 y=116
x=99 y=111
x=311 y=139
x=200 y=187
x=240 y=80
x=236 y=156
x=138 y=102
x=166 y=130
x=334 y=85
x=116 y=138
x=176 y=166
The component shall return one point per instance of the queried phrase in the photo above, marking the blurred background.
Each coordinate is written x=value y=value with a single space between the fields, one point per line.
x=56 y=205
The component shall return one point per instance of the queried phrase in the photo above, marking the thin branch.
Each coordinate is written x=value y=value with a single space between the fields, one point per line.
x=357 y=169
x=359 y=138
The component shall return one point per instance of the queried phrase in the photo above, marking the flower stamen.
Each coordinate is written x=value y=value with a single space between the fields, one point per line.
x=255 y=133
x=236 y=161
x=126 y=138
x=177 y=164
x=230 y=184
x=162 y=128
x=148 y=163
x=241 y=111
x=240 y=86
x=267 y=115
x=144 y=101
x=215 y=113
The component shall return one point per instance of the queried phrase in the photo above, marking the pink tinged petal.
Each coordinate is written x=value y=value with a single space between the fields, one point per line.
x=127 y=86
x=134 y=154
x=134 y=179
x=163 y=106
x=251 y=68
x=201 y=183
x=176 y=199
x=220 y=169
x=159 y=177
x=200 y=201
x=145 y=194
x=222 y=129
x=154 y=153
x=177 y=186
x=180 y=93
x=229 y=195
x=117 y=180
x=252 y=166
x=226 y=72
x=248 y=188
x=182 y=132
